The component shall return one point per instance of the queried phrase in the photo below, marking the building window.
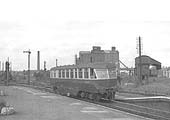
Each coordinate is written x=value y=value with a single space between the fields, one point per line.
x=91 y=59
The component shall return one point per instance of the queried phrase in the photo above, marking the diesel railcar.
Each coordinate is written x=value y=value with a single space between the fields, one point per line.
x=93 y=81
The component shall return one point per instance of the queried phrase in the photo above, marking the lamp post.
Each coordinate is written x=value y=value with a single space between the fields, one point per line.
x=29 y=52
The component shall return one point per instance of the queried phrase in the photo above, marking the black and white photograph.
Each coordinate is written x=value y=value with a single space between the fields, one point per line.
x=84 y=60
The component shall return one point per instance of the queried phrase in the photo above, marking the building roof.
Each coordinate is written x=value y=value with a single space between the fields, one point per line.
x=148 y=60
x=98 y=65
x=84 y=52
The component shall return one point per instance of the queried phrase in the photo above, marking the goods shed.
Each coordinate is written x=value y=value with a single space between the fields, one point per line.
x=149 y=67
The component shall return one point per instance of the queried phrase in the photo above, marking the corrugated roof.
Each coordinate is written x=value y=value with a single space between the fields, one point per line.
x=148 y=60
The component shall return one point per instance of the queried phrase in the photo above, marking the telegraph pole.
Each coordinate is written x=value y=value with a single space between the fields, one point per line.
x=29 y=52
x=140 y=62
x=0 y=65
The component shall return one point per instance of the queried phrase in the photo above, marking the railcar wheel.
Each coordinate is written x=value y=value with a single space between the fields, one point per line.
x=90 y=96
x=98 y=97
x=86 y=95
x=105 y=95
x=79 y=93
x=68 y=94
x=83 y=94
x=111 y=95
x=55 y=89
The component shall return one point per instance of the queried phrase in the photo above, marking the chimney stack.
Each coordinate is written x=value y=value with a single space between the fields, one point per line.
x=45 y=66
x=38 y=60
x=2 y=66
x=76 y=59
x=113 y=48
x=56 y=63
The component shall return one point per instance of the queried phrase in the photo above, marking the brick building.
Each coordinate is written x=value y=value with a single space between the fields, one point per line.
x=97 y=55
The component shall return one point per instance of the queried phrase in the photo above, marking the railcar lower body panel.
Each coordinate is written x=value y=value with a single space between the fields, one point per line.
x=93 y=86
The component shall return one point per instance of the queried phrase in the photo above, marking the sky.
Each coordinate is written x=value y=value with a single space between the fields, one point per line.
x=59 y=29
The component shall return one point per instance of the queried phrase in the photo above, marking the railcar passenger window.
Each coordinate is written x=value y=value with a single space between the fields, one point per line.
x=92 y=73
x=63 y=73
x=59 y=74
x=71 y=73
x=80 y=73
x=67 y=73
x=85 y=73
x=75 y=73
x=54 y=74
x=51 y=74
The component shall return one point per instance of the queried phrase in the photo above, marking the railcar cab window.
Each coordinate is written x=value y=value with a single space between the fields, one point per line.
x=102 y=73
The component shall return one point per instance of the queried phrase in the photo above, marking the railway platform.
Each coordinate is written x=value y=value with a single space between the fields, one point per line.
x=33 y=104
x=135 y=97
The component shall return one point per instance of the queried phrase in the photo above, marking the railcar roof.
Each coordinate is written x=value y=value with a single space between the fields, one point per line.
x=91 y=65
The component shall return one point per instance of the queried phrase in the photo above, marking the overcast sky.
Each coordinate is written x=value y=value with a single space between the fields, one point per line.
x=61 y=28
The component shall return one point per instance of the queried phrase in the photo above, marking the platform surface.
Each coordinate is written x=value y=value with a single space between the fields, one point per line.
x=127 y=96
x=32 y=104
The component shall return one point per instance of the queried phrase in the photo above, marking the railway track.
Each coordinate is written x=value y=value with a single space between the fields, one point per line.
x=119 y=105
x=139 y=110
x=133 y=109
